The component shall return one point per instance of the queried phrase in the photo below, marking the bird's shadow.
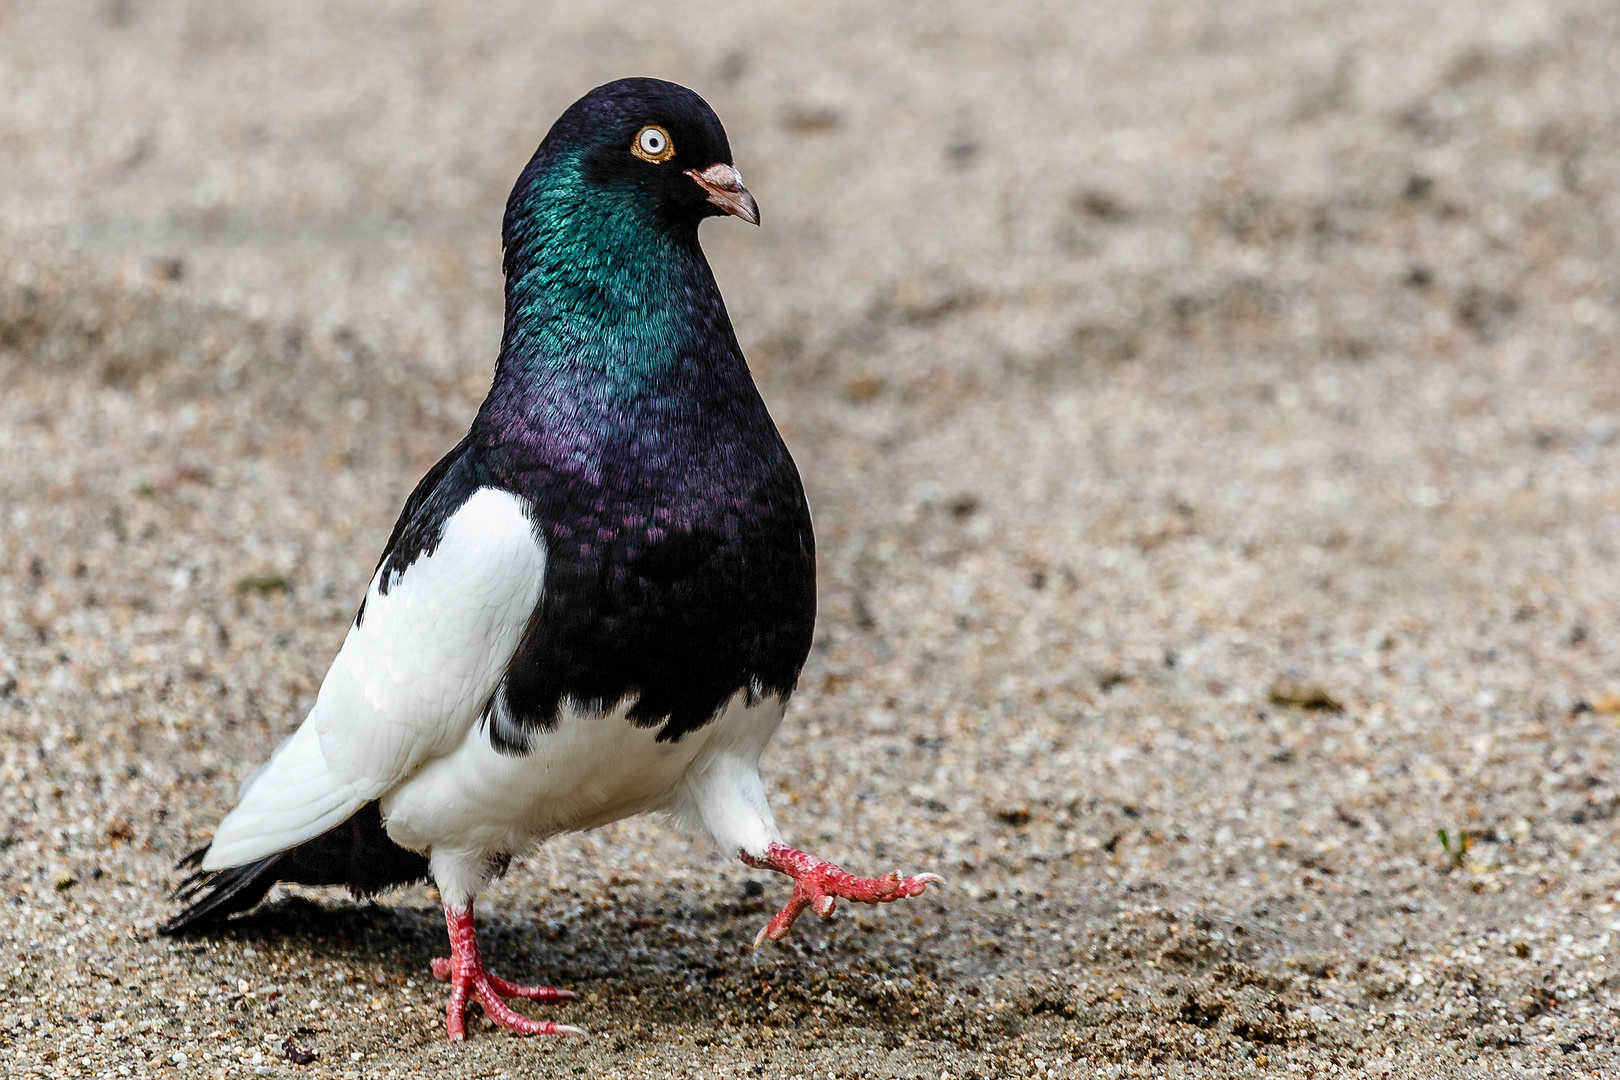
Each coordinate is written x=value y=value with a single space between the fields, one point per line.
x=334 y=928
x=679 y=965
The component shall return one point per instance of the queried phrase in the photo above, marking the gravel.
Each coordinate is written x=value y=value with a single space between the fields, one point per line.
x=1211 y=419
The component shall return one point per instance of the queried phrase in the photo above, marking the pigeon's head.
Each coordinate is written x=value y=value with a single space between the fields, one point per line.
x=643 y=148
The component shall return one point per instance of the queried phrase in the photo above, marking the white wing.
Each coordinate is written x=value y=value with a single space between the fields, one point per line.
x=410 y=680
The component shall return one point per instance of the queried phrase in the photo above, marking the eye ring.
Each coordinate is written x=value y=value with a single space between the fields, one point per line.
x=652 y=143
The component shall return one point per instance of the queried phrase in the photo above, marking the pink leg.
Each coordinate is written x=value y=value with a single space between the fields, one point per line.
x=468 y=979
x=816 y=882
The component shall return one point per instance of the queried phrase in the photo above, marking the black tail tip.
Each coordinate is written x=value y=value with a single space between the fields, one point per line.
x=214 y=895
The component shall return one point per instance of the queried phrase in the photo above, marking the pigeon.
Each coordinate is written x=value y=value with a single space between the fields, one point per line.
x=596 y=605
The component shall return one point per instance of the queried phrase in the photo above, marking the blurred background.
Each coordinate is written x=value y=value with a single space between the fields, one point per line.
x=1211 y=418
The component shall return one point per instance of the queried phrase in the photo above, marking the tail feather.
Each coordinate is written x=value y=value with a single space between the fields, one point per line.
x=357 y=853
x=219 y=893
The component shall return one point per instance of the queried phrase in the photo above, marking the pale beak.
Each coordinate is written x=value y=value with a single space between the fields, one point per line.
x=725 y=187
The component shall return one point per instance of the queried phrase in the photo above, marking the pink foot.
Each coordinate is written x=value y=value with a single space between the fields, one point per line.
x=465 y=972
x=816 y=882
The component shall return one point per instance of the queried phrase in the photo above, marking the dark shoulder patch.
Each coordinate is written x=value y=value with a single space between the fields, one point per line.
x=420 y=527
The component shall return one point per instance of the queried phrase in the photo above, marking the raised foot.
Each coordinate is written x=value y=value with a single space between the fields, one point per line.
x=464 y=971
x=817 y=883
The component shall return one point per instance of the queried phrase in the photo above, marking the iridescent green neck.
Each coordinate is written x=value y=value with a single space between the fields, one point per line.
x=596 y=284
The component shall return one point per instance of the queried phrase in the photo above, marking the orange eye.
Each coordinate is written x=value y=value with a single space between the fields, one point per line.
x=653 y=144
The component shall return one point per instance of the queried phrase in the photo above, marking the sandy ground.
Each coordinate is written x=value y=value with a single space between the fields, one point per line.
x=1212 y=420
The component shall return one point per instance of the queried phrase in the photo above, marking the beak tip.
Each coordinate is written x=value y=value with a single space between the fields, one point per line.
x=725 y=190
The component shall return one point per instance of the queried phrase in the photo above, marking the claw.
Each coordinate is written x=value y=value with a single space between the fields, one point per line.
x=818 y=883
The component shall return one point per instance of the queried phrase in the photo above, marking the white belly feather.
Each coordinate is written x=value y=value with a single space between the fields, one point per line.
x=587 y=771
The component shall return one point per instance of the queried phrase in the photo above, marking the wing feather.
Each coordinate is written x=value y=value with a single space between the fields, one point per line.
x=411 y=679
